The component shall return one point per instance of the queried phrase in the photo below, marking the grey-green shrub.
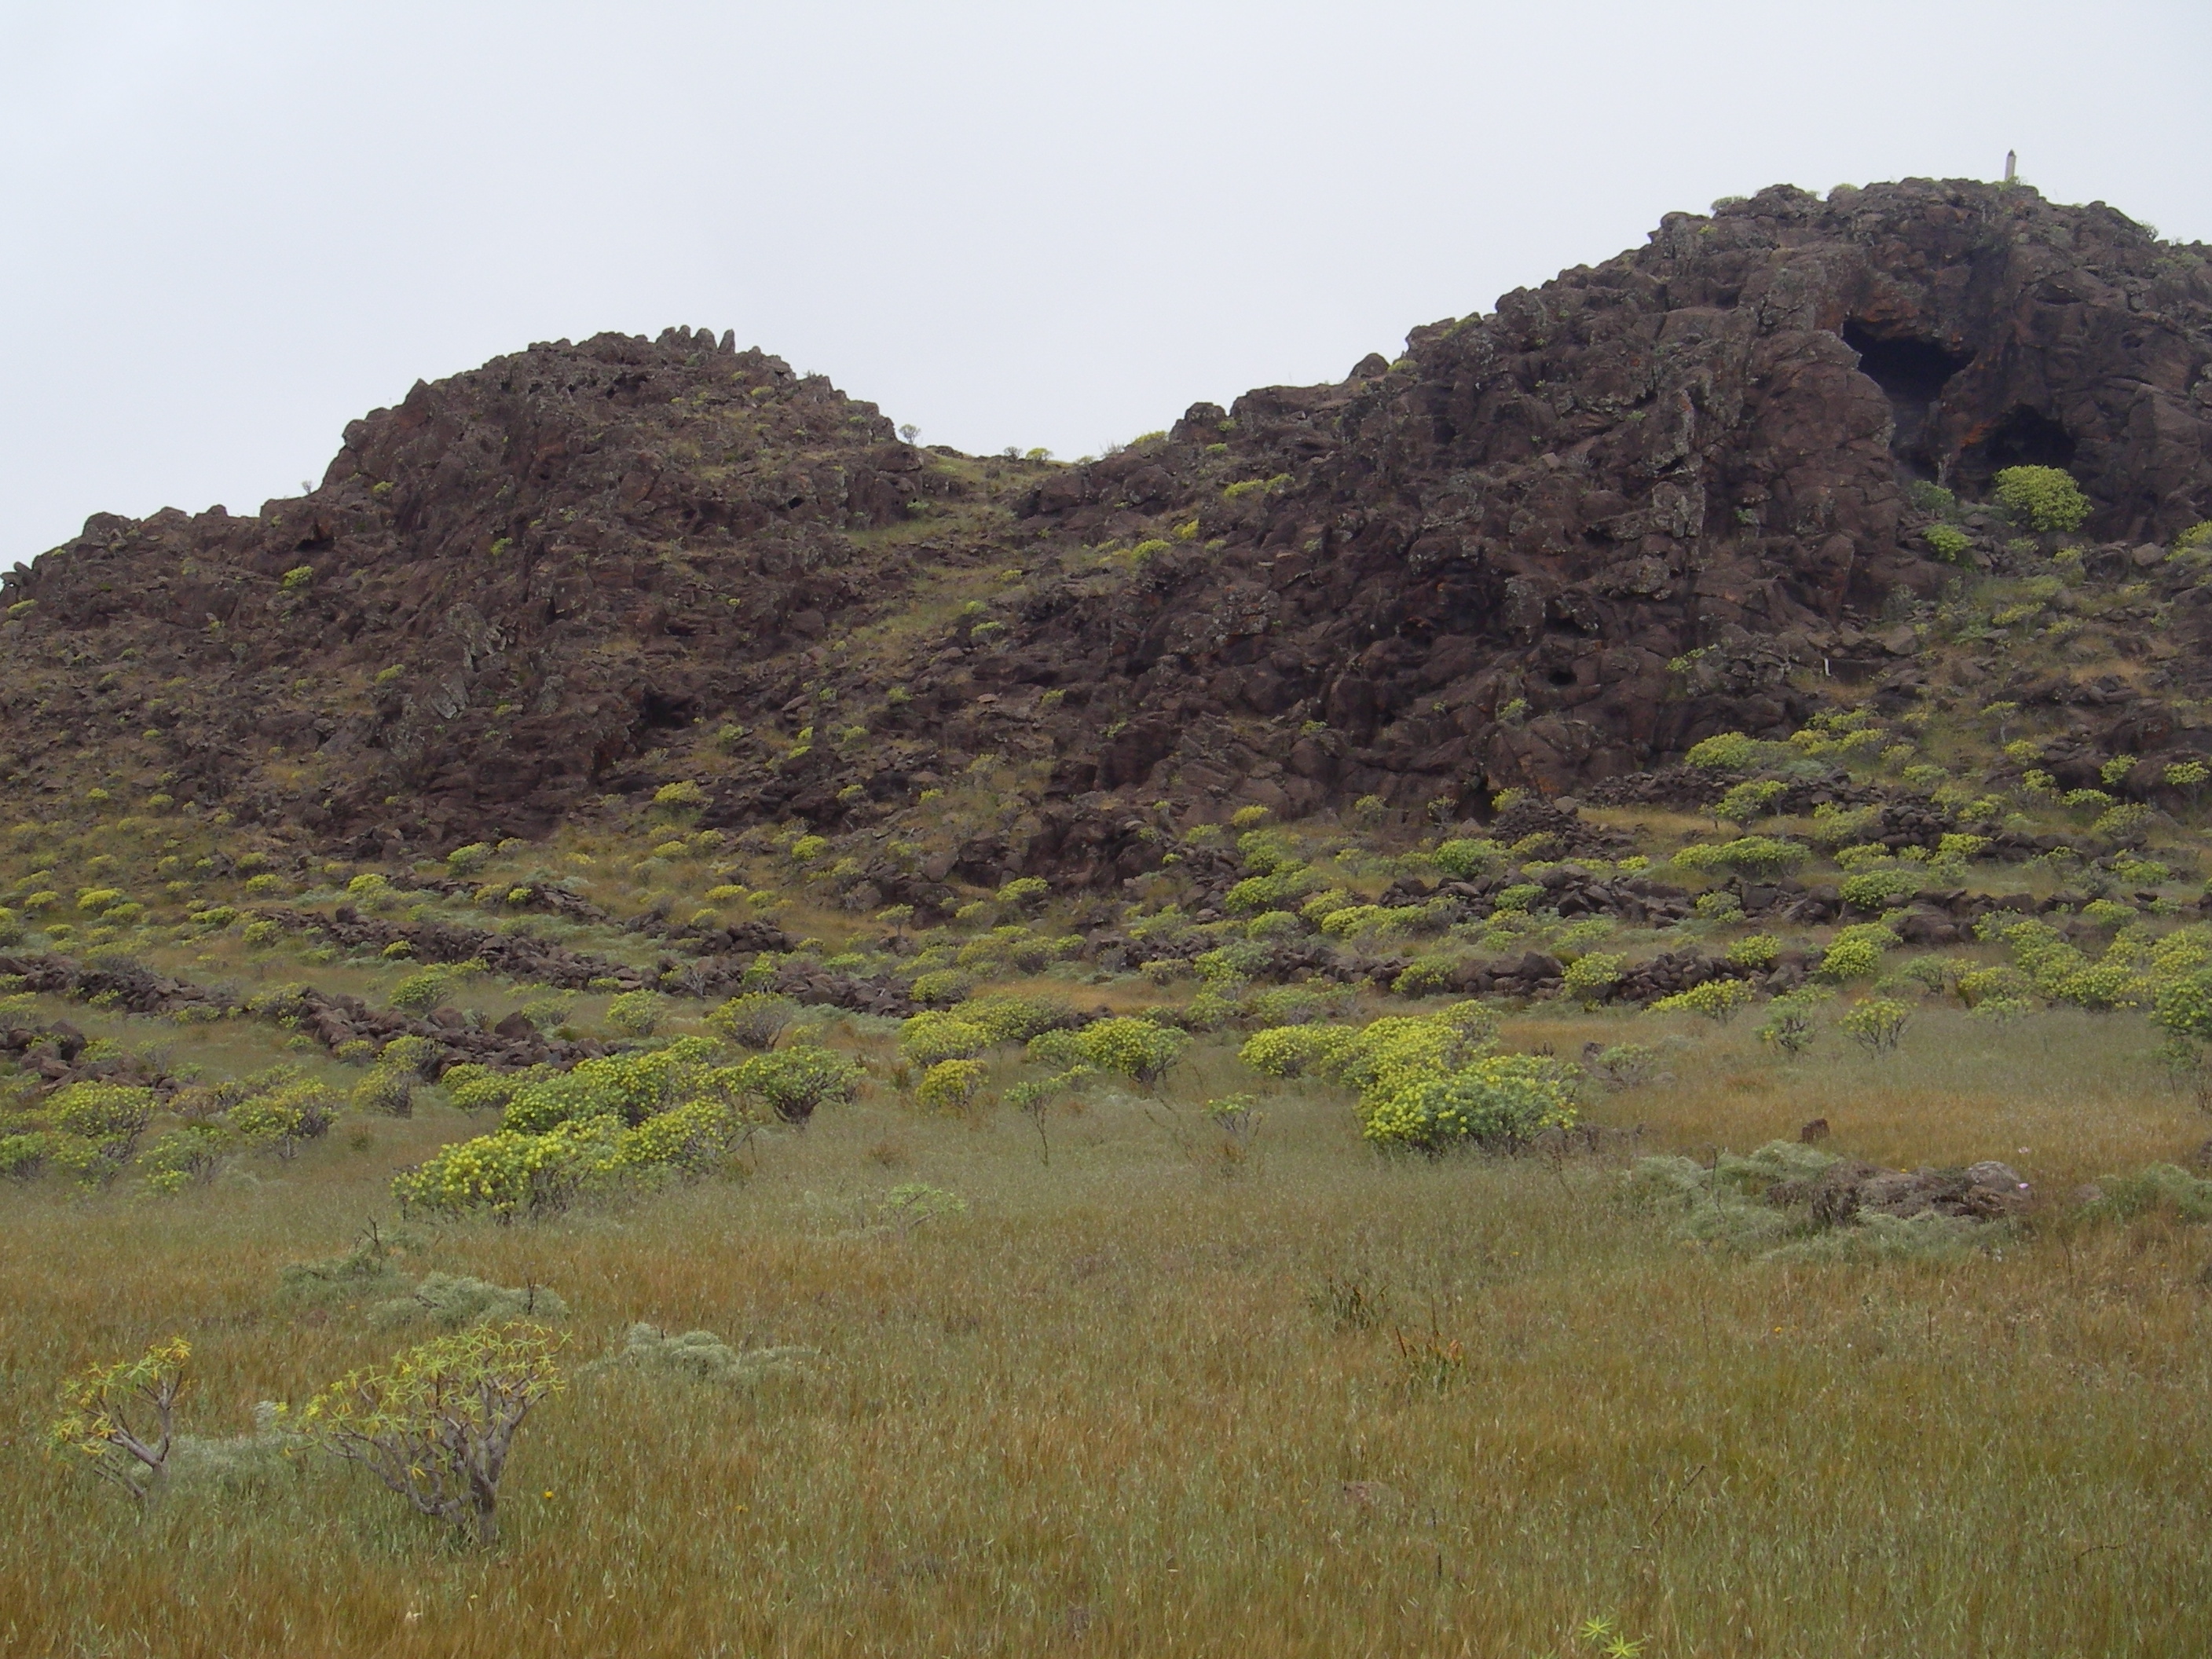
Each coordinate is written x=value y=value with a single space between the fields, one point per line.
x=450 y=1301
x=699 y=1357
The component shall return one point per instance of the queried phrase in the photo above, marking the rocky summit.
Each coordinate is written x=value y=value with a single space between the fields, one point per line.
x=1687 y=492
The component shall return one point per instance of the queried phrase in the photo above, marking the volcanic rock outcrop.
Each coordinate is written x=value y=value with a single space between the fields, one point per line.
x=1699 y=449
x=1549 y=546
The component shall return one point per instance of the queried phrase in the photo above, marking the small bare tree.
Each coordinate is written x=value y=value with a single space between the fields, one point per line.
x=436 y=1424
x=121 y=1418
x=1033 y=1098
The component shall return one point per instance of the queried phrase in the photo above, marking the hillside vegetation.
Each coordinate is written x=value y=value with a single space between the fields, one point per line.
x=661 y=1023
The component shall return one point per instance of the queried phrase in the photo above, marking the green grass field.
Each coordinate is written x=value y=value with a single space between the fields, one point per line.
x=1149 y=1397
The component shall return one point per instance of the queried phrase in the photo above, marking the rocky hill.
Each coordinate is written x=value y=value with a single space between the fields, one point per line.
x=1687 y=490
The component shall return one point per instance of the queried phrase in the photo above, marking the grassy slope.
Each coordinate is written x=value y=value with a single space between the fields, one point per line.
x=1109 y=1409
x=1111 y=1397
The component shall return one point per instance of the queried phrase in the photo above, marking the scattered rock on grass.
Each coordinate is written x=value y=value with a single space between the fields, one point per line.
x=1789 y=1199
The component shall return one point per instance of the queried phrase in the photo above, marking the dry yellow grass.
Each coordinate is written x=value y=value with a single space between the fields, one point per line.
x=1107 y=1410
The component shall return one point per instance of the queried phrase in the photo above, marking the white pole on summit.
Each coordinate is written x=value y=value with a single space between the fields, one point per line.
x=2012 y=166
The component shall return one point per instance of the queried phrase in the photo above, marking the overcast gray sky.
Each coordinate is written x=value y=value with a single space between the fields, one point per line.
x=231 y=226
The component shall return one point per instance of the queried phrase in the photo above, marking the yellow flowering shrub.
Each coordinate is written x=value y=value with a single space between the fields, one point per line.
x=937 y=1035
x=693 y=1139
x=795 y=1082
x=511 y=1174
x=1717 y=999
x=1500 y=1101
x=1427 y=1082
x=436 y=1424
x=630 y=1088
x=950 y=1084
x=1137 y=1048
x=1295 y=1050
x=282 y=1122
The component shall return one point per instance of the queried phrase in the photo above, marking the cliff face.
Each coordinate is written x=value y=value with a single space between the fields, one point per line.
x=1703 y=444
x=1649 y=500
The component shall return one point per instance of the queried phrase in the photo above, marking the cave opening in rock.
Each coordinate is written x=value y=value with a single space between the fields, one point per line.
x=2025 y=437
x=1911 y=373
x=657 y=712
